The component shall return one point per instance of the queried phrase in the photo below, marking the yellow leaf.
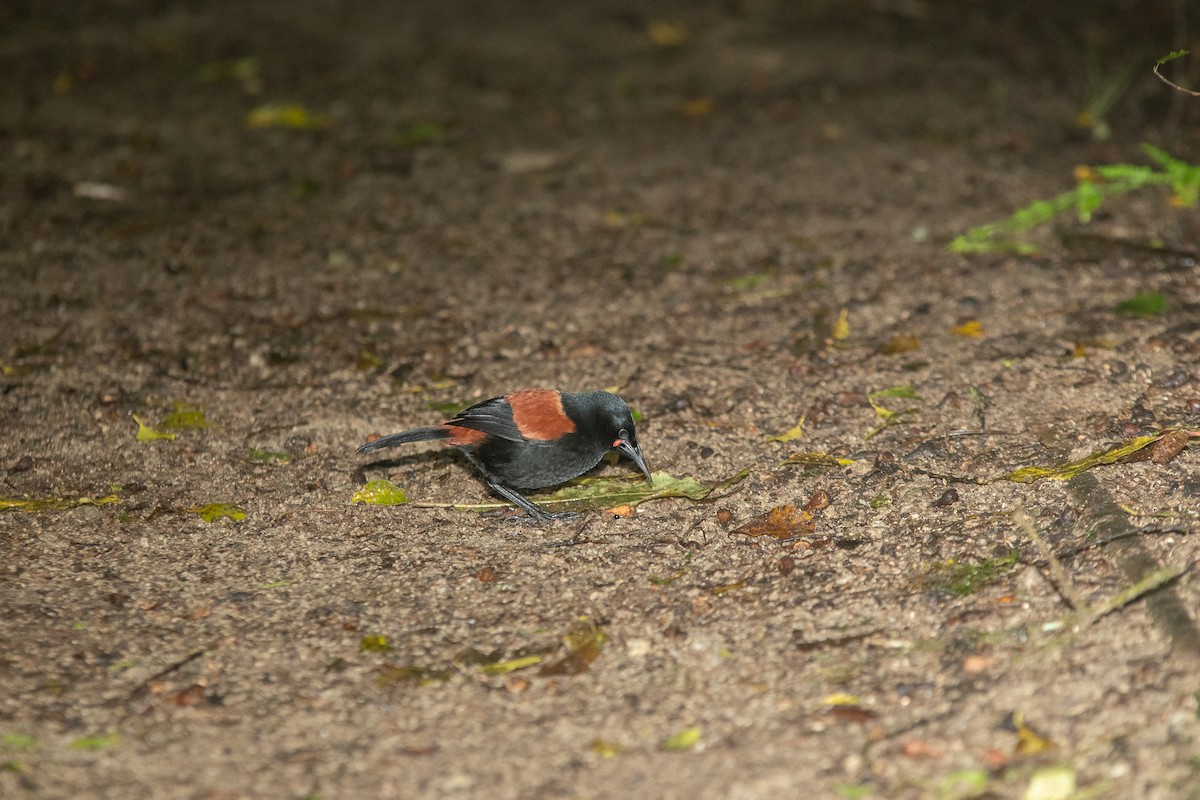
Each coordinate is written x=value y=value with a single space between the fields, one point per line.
x=791 y=434
x=214 y=511
x=686 y=739
x=972 y=328
x=841 y=328
x=841 y=699
x=281 y=115
x=666 y=34
x=606 y=749
x=511 y=665
x=53 y=503
x=699 y=107
x=147 y=434
x=1051 y=783
x=1029 y=741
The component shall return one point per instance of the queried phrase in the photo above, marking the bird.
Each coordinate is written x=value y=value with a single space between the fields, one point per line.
x=533 y=439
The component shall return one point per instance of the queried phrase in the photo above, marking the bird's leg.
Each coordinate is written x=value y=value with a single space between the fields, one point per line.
x=525 y=503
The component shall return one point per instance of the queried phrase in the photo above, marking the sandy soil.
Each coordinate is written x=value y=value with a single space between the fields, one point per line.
x=738 y=217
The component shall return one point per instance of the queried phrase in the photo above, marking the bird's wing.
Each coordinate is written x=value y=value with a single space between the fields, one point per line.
x=493 y=417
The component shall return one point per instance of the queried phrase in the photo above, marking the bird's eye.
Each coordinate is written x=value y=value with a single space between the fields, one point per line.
x=623 y=434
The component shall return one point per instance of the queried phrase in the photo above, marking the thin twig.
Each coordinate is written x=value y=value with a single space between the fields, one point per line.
x=1062 y=581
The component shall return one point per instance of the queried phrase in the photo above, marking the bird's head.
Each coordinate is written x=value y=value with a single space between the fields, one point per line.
x=617 y=426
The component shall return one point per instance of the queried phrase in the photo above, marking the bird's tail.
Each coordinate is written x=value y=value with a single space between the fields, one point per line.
x=404 y=437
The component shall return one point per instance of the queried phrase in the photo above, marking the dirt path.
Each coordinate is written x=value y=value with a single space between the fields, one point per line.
x=736 y=214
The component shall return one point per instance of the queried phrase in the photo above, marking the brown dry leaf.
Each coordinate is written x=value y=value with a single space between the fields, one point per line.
x=851 y=713
x=1168 y=447
x=975 y=664
x=921 y=748
x=781 y=522
x=190 y=696
x=820 y=500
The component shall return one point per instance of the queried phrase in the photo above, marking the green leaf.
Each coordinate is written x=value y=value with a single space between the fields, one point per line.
x=686 y=739
x=54 y=503
x=1171 y=56
x=380 y=493
x=147 y=434
x=269 y=456
x=608 y=491
x=185 y=417
x=814 y=459
x=95 y=742
x=966 y=579
x=18 y=741
x=1063 y=472
x=895 y=391
x=418 y=133
x=1143 y=304
x=212 y=512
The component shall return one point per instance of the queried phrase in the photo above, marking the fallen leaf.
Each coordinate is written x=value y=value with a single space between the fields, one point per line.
x=190 y=696
x=269 y=456
x=95 y=742
x=972 y=328
x=1051 y=783
x=813 y=459
x=185 y=417
x=608 y=491
x=147 y=434
x=606 y=749
x=510 y=665
x=584 y=643
x=686 y=739
x=377 y=643
x=418 y=133
x=976 y=664
x=410 y=674
x=282 y=115
x=1069 y=470
x=848 y=713
x=841 y=327
x=214 y=511
x=1029 y=741
x=781 y=522
x=666 y=34
x=1169 y=446
x=34 y=505
x=1143 y=304
x=381 y=493
x=900 y=344
x=791 y=434
x=921 y=748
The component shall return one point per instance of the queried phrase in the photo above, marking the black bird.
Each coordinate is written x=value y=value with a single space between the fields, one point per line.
x=533 y=438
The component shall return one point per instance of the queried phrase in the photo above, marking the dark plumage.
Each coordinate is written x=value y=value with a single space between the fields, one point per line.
x=533 y=438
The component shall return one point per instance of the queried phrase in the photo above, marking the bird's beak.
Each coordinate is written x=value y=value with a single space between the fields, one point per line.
x=635 y=454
